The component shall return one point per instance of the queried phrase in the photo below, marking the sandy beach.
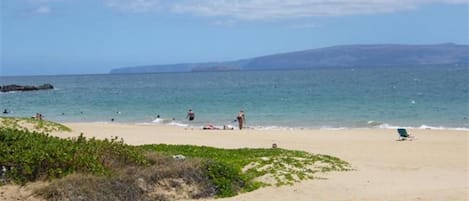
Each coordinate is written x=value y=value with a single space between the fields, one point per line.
x=434 y=166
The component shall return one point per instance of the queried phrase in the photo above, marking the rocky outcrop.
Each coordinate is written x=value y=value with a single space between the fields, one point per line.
x=14 y=87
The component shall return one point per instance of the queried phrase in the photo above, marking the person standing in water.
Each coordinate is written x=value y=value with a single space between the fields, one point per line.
x=241 y=118
x=190 y=115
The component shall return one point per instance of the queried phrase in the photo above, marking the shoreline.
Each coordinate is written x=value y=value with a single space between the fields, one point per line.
x=287 y=125
x=186 y=124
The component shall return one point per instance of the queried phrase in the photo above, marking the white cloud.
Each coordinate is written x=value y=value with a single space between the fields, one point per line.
x=309 y=25
x=136 y=6
x=39 y=1
x=264 y=9
x=42 y=10
x=280 y=9
x=226 y=23
x=45 y=1
x=457 y=1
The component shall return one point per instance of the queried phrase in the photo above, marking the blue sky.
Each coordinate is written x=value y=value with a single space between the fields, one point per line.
x=41 y=37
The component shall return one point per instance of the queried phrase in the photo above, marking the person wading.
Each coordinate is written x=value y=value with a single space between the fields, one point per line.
x=241 y=118
x=190 y=115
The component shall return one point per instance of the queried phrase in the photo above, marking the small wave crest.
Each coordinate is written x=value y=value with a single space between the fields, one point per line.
x=422 y=127
x=174 y=123
x=366 y=124
x=332 y=128
x=158 y=120
x=374 y=123
x=383 y=125
x=272 y=128
x=9 y=92
x=169 y=122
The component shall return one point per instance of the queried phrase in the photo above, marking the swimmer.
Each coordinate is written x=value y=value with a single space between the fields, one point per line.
x=190 y=115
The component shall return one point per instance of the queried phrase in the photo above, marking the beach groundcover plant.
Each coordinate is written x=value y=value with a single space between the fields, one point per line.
x=92 y=169
x=32 y=124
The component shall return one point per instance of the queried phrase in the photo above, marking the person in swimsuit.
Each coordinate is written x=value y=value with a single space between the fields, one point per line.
x=241 y=119
x=190 y=115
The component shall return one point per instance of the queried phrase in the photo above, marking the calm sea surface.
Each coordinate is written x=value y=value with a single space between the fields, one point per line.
x=436 y=97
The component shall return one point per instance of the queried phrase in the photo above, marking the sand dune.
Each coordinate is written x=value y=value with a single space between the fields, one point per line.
x=432 y=167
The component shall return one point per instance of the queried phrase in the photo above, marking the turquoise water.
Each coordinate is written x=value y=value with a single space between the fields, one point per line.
x=323 y=98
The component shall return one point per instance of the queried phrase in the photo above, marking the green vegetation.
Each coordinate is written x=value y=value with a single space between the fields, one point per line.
x=109 y=169
x=256 y=167
x=93 y=169
x=164 y=179
x=28 y=156
x=32 y=124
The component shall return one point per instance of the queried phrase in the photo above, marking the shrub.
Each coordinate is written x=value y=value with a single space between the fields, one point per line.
x=165 y=179
x=226 y=179
x=28 y=156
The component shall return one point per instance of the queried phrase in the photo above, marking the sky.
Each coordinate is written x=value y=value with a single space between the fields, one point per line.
x=50 y=37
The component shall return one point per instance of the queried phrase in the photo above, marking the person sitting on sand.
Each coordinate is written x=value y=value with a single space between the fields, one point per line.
x=210 y=127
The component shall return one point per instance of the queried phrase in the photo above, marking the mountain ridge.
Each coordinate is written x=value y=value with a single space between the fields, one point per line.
x=379 y=55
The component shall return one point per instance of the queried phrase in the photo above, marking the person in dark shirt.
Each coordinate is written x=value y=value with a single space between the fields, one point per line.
x=190 y=115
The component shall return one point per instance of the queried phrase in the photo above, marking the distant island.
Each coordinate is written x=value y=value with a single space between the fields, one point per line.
x=216 y=68
x=381 y=55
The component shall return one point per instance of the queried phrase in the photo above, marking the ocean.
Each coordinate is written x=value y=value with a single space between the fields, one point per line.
x=434 y=97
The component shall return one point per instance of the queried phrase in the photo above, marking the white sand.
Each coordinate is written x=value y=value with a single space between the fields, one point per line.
x=432 y=167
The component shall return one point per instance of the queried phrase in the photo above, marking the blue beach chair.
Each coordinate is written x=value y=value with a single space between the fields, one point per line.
x=403 y=135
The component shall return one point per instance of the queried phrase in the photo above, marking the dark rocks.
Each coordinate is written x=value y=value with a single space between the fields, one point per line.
x=14 y=87
x=45 y=86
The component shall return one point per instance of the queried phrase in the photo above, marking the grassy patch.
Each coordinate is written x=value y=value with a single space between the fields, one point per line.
x=32 y=124
x=283 y=166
